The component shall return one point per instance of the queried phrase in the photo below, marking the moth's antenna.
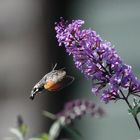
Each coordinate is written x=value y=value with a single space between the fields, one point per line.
x=54 y=66
x=63 y=68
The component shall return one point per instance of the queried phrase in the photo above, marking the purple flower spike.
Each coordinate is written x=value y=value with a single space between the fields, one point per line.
x=78 y=108
x=97 y=60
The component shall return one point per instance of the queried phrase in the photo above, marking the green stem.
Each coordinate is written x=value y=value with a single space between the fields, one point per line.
x=134 y=116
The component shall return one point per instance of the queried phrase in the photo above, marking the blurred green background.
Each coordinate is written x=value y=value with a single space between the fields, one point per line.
x=28 y=49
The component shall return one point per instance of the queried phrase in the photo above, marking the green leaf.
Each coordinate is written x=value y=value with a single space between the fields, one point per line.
x=135 y=102
x=138 y=109
x=49 y=115
x=44 y=136
x=23 y=129
x=133 y=110
x=130 y=111
x=73 y=132
x=17 y=133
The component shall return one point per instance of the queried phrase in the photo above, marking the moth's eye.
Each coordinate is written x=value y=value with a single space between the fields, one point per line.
x=35 y=89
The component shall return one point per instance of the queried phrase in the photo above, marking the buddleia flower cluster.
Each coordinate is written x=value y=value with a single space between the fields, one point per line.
x=77 y=108
x=97 y=60
x=73 y=110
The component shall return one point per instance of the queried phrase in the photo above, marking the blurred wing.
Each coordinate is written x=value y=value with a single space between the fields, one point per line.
x=63 y=83
x=68 y=80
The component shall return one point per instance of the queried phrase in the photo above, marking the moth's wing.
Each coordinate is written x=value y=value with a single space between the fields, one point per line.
x=66 y=81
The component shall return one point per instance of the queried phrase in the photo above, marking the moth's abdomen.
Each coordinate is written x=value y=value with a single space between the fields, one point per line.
x=49 y=84
x=52 y=86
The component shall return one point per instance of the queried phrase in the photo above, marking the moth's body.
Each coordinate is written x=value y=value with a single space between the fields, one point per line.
x=52 y=81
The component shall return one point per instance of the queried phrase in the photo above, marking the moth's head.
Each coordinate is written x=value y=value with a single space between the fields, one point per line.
x=36 y=90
